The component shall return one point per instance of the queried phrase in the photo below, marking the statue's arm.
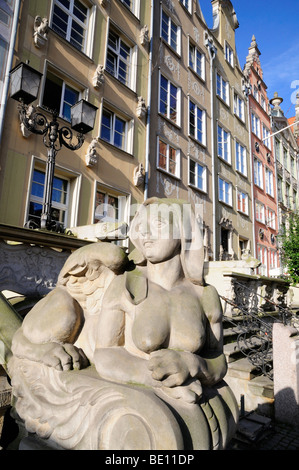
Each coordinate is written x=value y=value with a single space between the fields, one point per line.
x=49 y=330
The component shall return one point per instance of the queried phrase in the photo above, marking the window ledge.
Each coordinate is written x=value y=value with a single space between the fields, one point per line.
x=202 y=191
x=73 y=48
x=178 y=178
x=178 y=54
x=170 y=121
x=115 y=147
x=194 y=139
x=121 y=83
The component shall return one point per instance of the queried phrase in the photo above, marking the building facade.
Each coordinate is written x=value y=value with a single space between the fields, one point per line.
x=286 y=157
x=265 y=218
x=233 y=234
x=99 y=51
x=180 y=158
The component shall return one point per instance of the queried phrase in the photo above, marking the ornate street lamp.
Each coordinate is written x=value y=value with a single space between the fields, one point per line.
x=25 y=82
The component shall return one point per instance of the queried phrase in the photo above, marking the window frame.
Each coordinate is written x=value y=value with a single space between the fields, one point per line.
x=203 y=140
x=237 y=101
x=89 y=28
x=269 y=181
x=203 y=177
x=131 y=69
x=177 y=151
x=256 y=125
x=188 y=7
x=197 y=51
x=229 y=54
x=221 y=85
x=240 y=157
x=240 y=208
x=258 y=172
x=74 y=185
x=67 y=82
x=128 y=132
x=266 y=136
x=170 y=83
x=134 y=8
x=168 y=39
x=229 y=152
x=260 y=213
x=230 y=192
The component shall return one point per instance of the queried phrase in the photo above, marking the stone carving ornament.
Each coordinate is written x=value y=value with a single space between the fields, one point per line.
x=126 y=353
x=41 y=28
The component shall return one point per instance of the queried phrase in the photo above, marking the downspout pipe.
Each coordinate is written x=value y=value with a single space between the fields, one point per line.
x=247 y=91
x=10 y=55
x=212 y=53
x=149 y=97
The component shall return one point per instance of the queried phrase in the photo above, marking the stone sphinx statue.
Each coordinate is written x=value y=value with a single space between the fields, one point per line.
x=126 y=352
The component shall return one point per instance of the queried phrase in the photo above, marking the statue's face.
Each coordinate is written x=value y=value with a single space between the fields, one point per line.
x=157 y=233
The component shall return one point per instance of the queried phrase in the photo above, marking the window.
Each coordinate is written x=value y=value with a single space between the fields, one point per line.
x=119 y=58
x=59 y=198
x=273 y=259
x=255 y=122
x=225 y=191
x=187 y=4
x=3 y=55
x=255 y=93
x=266 y=137
x=70 y=19
x=288 y=192
x=197 y=123
x=285 y=158
x=224 y=150
x=111 y=206
x=222 y=89
x=269 y=182
x=197 y=61
x=271 y=222
x=168 y=158
x=133 y=5
x=170 y=32
x=169 y=104
x=262 y=257
x=279 y=189
x=263 y=103
x=197 y=175
x=241 y=164
x=293 y=166
x=295 y=201
x=242 y=202
x=239 y=107
x=258 y=173
x=277 y=150
x=260 y=212
x=59 y=95
x=117 y=130
x=229 y=55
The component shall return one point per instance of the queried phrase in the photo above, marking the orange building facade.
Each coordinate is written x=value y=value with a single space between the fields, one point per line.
x=263 y=167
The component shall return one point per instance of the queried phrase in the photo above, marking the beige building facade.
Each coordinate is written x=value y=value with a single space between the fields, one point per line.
x=99 y=51
x=233 y=234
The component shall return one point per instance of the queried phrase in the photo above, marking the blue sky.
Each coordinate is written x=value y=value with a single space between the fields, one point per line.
x=275 y=26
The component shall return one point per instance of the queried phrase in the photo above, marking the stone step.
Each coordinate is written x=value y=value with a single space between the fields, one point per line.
x=233 y=350
x=242 y=369
x=262 y=386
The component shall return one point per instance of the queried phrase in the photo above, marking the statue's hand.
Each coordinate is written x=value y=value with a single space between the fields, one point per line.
x=169 y=367
x=190 y=393
x=63 y=356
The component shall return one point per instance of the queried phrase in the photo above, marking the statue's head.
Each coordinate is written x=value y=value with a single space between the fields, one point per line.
x=163 y=228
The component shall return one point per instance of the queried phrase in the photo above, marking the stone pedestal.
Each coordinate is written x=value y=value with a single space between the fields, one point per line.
x=286 y=373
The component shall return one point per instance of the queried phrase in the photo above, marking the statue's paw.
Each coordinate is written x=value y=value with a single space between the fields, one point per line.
x=190 y=393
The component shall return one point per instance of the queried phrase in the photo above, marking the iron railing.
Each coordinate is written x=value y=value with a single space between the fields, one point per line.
x=253 y=325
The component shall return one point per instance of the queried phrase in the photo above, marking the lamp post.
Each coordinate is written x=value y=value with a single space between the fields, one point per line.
x=25 y=83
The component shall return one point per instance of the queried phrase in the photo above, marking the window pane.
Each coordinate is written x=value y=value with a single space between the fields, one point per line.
x=172 y=160
x=80 y=11
x=60 y=21
x=71 y=97
x=119 y=134
x=164 y=28
x=52 y=92
x=162 y=155
x=106 y=128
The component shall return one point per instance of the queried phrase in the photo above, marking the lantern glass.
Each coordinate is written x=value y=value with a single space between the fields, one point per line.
x=83 y=115
x=25 y=82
